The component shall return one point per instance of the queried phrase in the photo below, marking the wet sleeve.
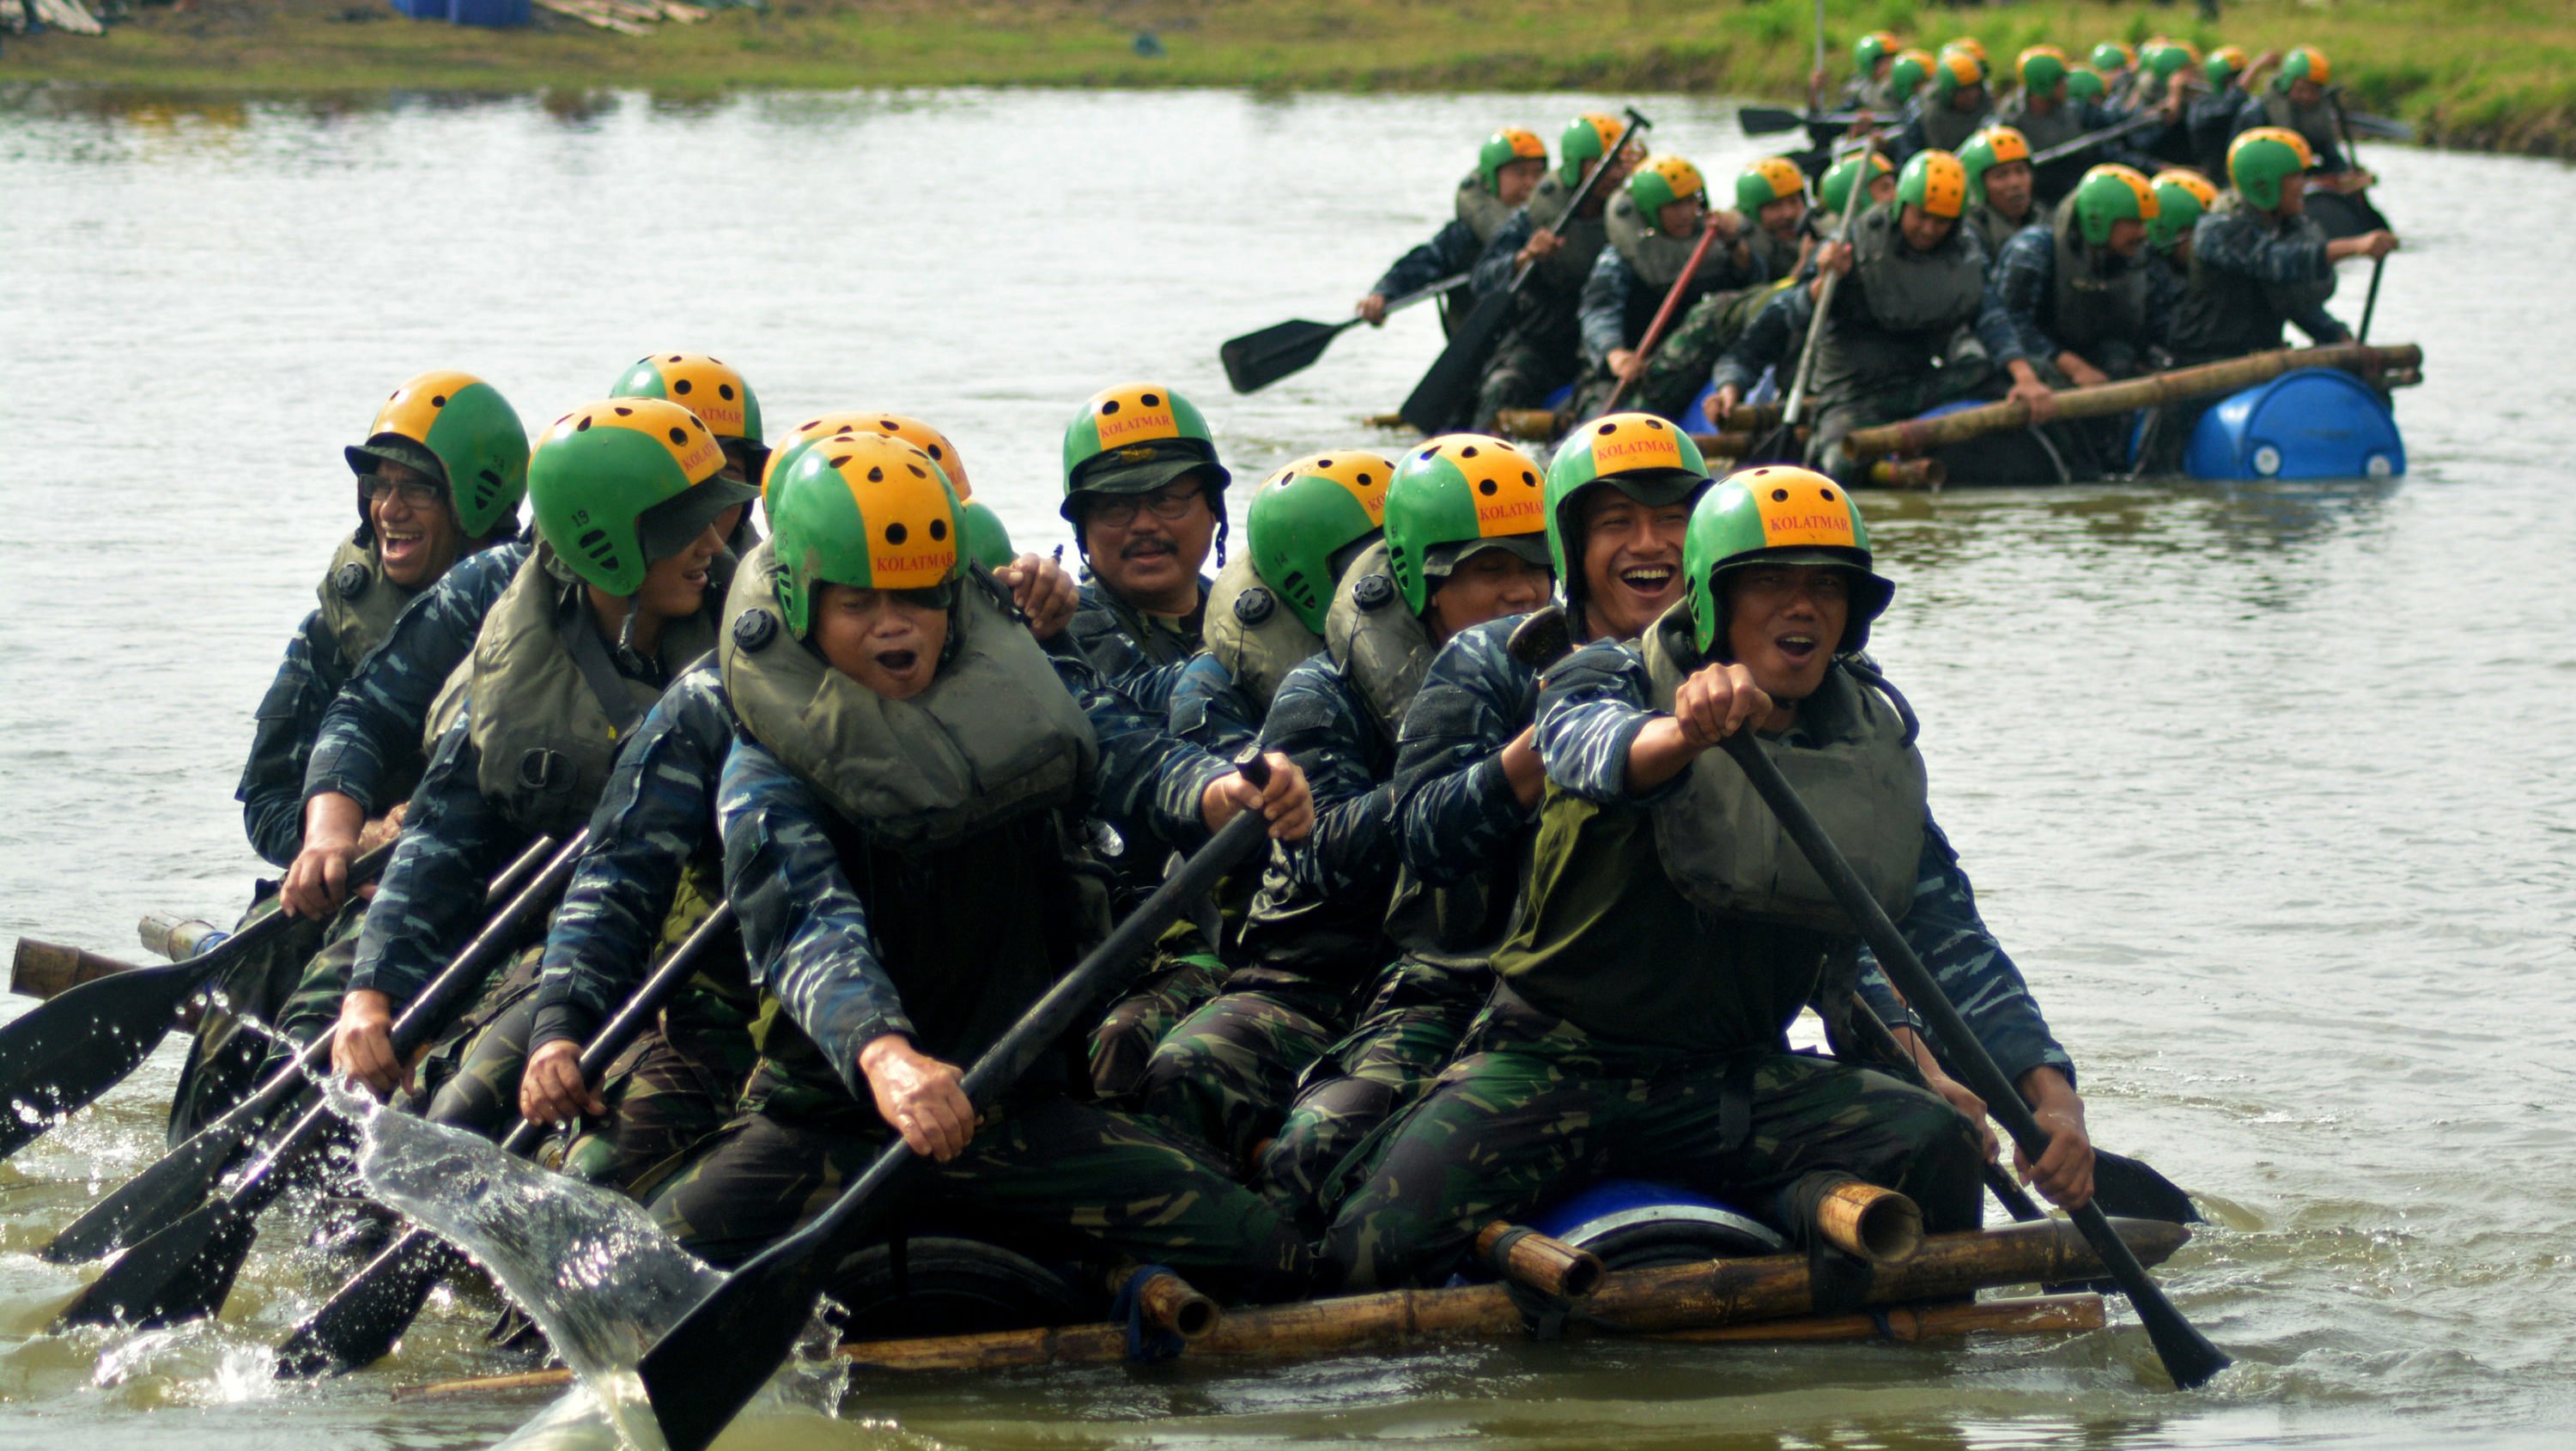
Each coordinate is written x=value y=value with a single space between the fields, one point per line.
x=1456 y=815
x=271 y=792
x=2019 y=284
x=430 y=899
x=1210 y=711
x=1500 y=259
x=804 y=929
x=1146 y=775
x=1993 y=326
x=651 y=820
x=1972 y=968
x=378 y=718
x=1590 y=709
x=1603 y=311
x=1452 y=249
x=1315 y=723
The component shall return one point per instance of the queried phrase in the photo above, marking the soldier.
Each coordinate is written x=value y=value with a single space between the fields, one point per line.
x=2165 y=79
x=1912 y=327
x=1655 y=225
x=2087 y=302
x=899 y=920
x=2182 y=197
x=2213 y=116
x=1641 y=1025
x=412 y=525
x=2116 y=62
x=576 y=650
x=1541 y=346
x=1955 y=106
x=1772 y=194
x=1314 y=995
x=1508 y=169
x=653 y=869
x=1775 y=330
x=2258 y=261
x=2044 y=115
x=1999 y=181
x=2297 y=100
x=1305 y=524
x=1873 y=57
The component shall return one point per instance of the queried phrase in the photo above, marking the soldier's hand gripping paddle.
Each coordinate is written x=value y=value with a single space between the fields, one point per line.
x=1451 y=380
x=360 y=1323
x=1256 y=360
x=63 y=1053
x=2187 y=1354
x=181 y=1179
x=702 y=1372
x=184 y=1271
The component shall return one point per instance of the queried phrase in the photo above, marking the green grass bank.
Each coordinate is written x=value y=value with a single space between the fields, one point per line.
x=2486 y=74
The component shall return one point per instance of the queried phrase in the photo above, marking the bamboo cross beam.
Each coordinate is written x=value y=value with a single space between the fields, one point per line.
x=1922 y=435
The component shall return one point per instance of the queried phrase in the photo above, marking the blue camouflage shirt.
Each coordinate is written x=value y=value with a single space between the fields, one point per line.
x=1452 y=250
x=272 y=783
x=1210 y=710
x=1140 y=655
x=2023 y=282
x=1319 y=722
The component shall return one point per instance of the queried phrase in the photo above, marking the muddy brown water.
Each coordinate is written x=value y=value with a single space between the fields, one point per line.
x=2271 y=789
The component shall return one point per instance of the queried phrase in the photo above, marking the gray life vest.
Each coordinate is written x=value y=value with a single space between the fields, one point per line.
x=994 y=738
x=1655 y=259
x=1945 y=129
x=1910 y=303
x=1382 y=646
x=1482 y=211
x=2088 y=307
x=358 y=602
x=1255 y=636
x=2058 y=127
x=1563 y=271
x=1993 y=229
x=1729 y=856
x=546 y=708
x=1774 y=256
x=2228 y=314
x=2315 y=122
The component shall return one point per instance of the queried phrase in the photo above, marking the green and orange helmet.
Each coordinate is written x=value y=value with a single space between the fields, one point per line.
x=2042 y=68
x=2084 y=83
x=1587 y=137
x=1935 y=181
x=1646 y=457
x=2182 y=196
x=890 y=425
x=1767 y=181
x=1907 y=75
x=1968 y=44
x=2259 y=160
x=1872 y=48
x=708 y=387
x=2163 y=58
x=622 y=482
x=868 y=511
x=1454 y=496
x=1659 y=181
x=988 y=540
x=2114 y=56
x=1992 y=147
x=2303 y=63
x=1834 y=190
x=1778 y=514
x=2111 y=194
x=1306 y=514
x=1512 y=143
x=2225 y=64
x=459 y=430
x=1954 y=71
x=1134 y=439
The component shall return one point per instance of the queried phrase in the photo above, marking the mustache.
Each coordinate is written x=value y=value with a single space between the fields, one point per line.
x=1151 y=544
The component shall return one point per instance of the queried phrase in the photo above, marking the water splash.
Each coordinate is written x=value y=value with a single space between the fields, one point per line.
x=586 y=1263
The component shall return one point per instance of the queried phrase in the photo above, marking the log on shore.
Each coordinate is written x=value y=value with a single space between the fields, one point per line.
x=1917 y=436
x=1770 y=1292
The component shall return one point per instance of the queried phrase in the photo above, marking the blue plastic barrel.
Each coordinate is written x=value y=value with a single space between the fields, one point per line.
x=2316 y=423
x=498 y=14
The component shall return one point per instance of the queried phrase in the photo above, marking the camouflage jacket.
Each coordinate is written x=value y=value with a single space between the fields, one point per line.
x=1455 y=814
x=1595 y=704
x=1771 y=341
x=1211 y=711
x=290 y=715
x=1452 y=250
x=376 y=720
x=805 y=928
x=1140 y=655
x=1319 y=722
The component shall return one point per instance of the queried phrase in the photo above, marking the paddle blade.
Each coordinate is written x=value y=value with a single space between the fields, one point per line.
x=699 y=1376
x=182 y=1273
x=362 y=1323
x=1256 y=360
x=1768 y=120
x=2128 y=1188
x=158 y=1197
x=1450 y=384
x=64 y=1052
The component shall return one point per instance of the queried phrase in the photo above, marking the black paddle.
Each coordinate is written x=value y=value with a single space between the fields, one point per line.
x=1256 y=360
x=63 y=1053
x=2187 y=1354
x=185 y=1270
x=1772 y=120
x=1453 y=375
x=2091 y=139
x=2370 y=304
x=702 y=1372
x=181 y=1179
x=359 y=1324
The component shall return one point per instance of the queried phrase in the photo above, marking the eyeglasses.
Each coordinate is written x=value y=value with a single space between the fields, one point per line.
x=1119 y=510
x=422 y=495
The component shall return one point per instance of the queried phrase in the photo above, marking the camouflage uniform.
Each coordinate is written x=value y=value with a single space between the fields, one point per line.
x=948 y=945
x=1962 y=363
x=1211 y=710
x=652 y=871
x=1617 y=308
x=1690 y=352
x=1143 y=657
x=1634 y=1036
x=1540 y=348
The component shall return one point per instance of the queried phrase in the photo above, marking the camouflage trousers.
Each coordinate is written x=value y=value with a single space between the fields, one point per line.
x=1539 y=1109
x=472 y=1077
x=1131 y=1030
x=1050 y=1177
x=227 y=1056
x=1226 y=1074
x=1687 y=358
x=1519 y=376
x=667 y=1093
x=1406 y=1035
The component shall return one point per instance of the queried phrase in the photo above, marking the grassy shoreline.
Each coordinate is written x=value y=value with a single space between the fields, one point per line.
x=2480 y=74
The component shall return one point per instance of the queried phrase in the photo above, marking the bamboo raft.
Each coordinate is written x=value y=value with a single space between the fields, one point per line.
x=1765 y=1299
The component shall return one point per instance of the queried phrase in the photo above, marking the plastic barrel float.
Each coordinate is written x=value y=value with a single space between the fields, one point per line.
x=2316 y=423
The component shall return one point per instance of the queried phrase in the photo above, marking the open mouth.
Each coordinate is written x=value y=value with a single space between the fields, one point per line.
x=898 y=662
x=1649 y=579
x=696 y=578
x=1797 y=649
x=400 y=543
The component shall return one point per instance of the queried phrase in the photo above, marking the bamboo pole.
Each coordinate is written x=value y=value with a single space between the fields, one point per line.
x=2028 y=1315
x=42 y=970
x=1908 y=473
x=1876 y=1223
x=1538 y=1261
x=1922 y=435
x=1701 y=1296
